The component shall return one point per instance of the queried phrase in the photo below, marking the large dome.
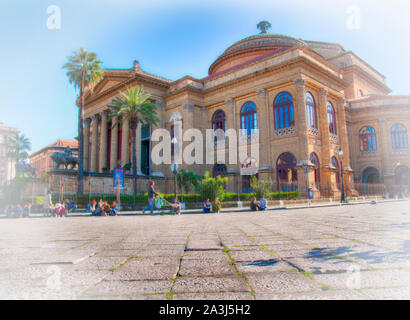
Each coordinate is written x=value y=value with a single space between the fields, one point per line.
x=250 y=48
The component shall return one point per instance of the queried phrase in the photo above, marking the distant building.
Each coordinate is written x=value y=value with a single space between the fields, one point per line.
x=41 y=160
x=7 y=169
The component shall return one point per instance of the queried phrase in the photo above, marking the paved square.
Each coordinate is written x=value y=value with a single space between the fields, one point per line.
x=342 y=252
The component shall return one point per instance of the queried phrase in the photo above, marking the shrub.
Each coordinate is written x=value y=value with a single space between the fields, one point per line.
x=261 y=187
x=211 y=188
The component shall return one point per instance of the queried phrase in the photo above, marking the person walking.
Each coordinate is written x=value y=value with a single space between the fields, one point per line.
x=151 y=194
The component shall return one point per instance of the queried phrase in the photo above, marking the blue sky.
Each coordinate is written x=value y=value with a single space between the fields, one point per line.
x=170 y=38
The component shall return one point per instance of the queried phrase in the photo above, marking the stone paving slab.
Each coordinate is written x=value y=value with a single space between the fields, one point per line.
x=308 y=253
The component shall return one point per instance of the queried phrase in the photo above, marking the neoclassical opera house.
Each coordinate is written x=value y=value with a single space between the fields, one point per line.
x=308 y=100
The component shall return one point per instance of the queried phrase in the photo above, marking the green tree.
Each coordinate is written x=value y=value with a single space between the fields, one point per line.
x=261 y=187
x=187 y=180
x=17 y=147
x=210 y=187
x=84 y=72
x=133 y=105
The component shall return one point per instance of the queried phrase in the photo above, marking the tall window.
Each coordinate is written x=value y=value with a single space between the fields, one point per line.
x=249 y=120
x=335 y=164
x=399 y=137
x=367 y=138
x=315 y=161
x=283 y=111
x=311 y=110
x=331 y=118
x=218 y=122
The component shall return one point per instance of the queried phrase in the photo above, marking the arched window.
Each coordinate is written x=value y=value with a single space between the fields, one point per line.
x=331 y=118
x=399 y=137
x=218 y=123
x=218 y=120
x=315 y=161
x=360 y=93
x=286 y=173
x=283 y=111
x=219 y=169
x=367 y=137
x=248 y=118
x=335 y=164
x=311 y=110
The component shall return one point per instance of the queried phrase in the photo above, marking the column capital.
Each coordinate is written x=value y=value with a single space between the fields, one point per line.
x=261 y=93
x=323 y=92
x=104 y=114
x=299 y=83
x=341 y=101
x=159 y=103
x=230 y=102
x=188 y=107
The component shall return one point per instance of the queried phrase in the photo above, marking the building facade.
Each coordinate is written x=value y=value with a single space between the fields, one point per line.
x=41 y=160
x=308 y=100
x=7 y=166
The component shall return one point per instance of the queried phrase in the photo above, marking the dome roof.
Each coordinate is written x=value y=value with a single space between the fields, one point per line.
x=250 y=48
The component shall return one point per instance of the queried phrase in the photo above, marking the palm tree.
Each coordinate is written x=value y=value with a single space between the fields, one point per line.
x=133 y=105
x=18 y=147
x=84 y=72
x=187 y=180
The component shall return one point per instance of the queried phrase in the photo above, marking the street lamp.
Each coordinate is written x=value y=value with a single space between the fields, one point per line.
x=343 y=199
x=174 y=167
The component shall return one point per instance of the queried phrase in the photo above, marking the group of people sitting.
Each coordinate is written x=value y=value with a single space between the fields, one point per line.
x=17 y=211
x=215 y=206
x=259 y=206
x=59 y=209
x=102 y=208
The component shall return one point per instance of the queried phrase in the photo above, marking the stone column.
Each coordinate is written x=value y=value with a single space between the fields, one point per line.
x=325 y=171
x=86 y=144
x=344 y=143
x=114 y=144
x=264 y=130
x=125 y=146
x=343 y=137
x=383 y=148
x=138 y=147
x=94 y=144
x=300 y=117
x=103 y=142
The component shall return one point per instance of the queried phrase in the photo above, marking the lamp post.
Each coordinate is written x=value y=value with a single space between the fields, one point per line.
x=343 y=198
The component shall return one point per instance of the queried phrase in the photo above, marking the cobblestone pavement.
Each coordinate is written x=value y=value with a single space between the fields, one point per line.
x=348 y=252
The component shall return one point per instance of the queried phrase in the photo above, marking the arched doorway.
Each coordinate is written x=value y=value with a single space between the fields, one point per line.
x=371 y=176
x=286 y=174
x=249 y=169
